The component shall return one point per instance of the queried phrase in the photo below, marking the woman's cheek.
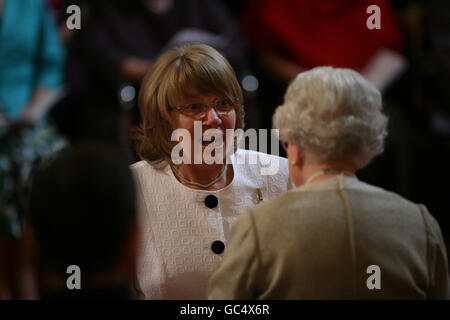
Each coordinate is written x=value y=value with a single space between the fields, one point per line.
x=231 y=121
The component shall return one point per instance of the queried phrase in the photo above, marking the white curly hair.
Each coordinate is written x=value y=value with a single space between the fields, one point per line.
x=333 y=114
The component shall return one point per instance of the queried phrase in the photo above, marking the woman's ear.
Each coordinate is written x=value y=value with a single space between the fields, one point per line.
x=299 y=156
x=295 y=158
x=295 y=155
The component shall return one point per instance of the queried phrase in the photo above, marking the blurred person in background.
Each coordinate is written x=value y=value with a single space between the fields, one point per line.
x=87 y=112
x=120 y=40
x=292 y=36
x=31 y=58
x=288 y=37
x=82 y=212
x=31 y=76
x=125 y=37
x=320 y=240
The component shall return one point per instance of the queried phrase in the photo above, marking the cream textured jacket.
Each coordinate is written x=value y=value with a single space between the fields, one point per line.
x=337 y=238
x=175 y=257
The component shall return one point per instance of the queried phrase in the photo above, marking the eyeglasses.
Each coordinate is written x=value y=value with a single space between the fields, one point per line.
x=199 y=110
x=285 y=145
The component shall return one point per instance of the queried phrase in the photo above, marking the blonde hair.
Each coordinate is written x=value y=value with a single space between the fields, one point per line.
x=193 y=65
x=333 y=114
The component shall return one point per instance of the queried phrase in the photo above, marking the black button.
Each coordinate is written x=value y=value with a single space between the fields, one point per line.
x=211 y=201
x=218 y=247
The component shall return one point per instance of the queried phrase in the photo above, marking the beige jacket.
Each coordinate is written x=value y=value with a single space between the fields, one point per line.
x=326 y=239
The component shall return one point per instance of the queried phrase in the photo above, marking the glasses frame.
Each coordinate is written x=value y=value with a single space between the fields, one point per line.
x=206 y=107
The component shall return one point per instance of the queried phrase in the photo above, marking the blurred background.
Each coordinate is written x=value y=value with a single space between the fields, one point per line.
x=61 y=85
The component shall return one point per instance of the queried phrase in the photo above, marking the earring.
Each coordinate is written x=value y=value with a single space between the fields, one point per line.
x=293 y=162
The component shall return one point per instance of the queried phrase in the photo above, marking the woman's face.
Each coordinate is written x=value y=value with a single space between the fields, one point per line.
x=212 y=119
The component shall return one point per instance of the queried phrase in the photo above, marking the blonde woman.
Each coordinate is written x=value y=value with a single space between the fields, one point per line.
x=333 y=237
x=187 y=208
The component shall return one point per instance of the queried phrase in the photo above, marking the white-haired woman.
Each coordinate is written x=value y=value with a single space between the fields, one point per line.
x=333 y=237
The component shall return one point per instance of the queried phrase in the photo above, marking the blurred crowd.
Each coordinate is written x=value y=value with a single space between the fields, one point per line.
x=62 y=87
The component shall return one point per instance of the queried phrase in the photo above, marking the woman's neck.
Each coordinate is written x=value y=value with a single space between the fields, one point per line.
x=309 y=170
x=205 y=174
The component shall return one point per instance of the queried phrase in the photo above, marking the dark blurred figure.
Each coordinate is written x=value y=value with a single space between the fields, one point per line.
x=87 y=112
x=119 y=40
x=82 y=212
x=439 y=31
x=125 y=37
x=437 y=102
x=88 y=115
x=426 y=103
x=236 y=7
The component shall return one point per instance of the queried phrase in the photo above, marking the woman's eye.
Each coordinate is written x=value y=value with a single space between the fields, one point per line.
x=225 y=103
x=192 y=107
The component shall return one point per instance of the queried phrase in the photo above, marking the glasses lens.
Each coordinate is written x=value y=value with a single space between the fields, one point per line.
x=198 y=110
x=193 y=109
x=224 y=106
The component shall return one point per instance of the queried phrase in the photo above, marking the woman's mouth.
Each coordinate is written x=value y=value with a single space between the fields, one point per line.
x=207 y=140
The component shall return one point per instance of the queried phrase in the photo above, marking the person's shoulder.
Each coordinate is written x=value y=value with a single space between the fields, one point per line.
x=261 y=159
x=364 y=195
x=275 y=206
x=138 y=166
x=261 y=155
x=433 y=228
x=263 y=166
x=150 y=178
x=144 y=168
x=359 y=186
x=273 y=216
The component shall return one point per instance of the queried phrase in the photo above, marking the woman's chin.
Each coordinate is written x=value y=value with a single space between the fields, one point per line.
x=209 y=153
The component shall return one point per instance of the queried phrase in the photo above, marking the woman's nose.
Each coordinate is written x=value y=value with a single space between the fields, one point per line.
x=212 y=118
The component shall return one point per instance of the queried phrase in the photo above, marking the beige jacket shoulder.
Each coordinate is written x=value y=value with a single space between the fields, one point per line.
x=334 y=239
